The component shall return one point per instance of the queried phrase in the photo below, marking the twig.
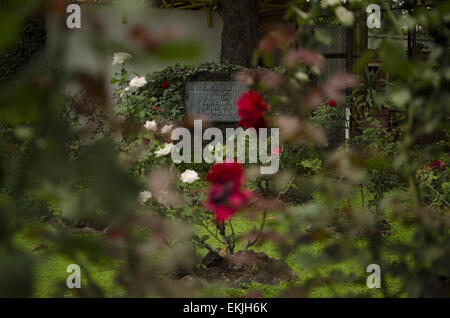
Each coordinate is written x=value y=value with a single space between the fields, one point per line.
x=285 y=189
x=206 y=245
x=250 y=243
x=222 y=232
x=439 y=194
x=232 y=235
x=210 y=232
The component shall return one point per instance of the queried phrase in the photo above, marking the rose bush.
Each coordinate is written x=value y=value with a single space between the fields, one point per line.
x=154 y=213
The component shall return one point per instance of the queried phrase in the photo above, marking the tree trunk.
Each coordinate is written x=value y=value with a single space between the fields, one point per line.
x=240 y=31
x=31 y=40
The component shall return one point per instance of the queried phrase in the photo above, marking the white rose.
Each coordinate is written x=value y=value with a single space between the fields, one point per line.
x=346 y=17
x=329 y=3
x=168 y=148
x=189 y=176
x=138 y=82
x=150 y=125
x=166 y=129
x=121 y=57
x=302 y=76
x=144 y=196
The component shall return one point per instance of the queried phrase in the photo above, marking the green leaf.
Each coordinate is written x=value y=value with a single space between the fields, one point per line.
x=400 y=97
x=363 y=60
x=322 y=36
x=394 y=60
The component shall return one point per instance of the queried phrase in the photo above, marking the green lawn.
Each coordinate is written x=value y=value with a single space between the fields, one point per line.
x=51 y=271
x=242 y=226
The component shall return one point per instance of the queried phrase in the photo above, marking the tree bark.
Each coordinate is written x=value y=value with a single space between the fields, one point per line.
x=30 y=41
x=240 y=31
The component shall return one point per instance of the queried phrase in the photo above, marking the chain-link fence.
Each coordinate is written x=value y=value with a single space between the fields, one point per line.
x=338 y=54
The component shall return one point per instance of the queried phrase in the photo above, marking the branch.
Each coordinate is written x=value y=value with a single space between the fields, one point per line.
x=232 y=235
x=439 y=194
x=250 y=243
x=206 y=245
x=222 y=232
x=286 y=189
x=210 y=232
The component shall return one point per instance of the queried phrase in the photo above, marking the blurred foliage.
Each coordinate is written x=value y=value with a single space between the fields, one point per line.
x=31 y=42
x=39 y=174
x=69 y=157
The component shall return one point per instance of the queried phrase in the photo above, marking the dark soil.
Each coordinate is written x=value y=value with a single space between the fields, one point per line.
x=383 y=227
x=245 y=267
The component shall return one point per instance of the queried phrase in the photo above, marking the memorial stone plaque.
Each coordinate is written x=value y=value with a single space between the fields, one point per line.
x=213 y=100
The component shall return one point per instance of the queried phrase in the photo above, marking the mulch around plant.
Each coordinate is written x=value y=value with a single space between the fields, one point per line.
x=245 y=267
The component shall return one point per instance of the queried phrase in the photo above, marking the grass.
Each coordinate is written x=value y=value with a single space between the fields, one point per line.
x=51 y=271
x=350 y=266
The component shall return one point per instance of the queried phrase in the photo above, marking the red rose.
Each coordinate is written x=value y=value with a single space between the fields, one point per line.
x=225 y=196
x=222 y=173
x=251 y=110
x=437 y=164
x=165 y=84
x=332 y=103
x=276 y=151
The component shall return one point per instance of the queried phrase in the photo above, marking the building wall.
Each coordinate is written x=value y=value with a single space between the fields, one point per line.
x=191 y=25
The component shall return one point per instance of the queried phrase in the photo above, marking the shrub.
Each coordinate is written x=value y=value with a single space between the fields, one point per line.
x=163 y=96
